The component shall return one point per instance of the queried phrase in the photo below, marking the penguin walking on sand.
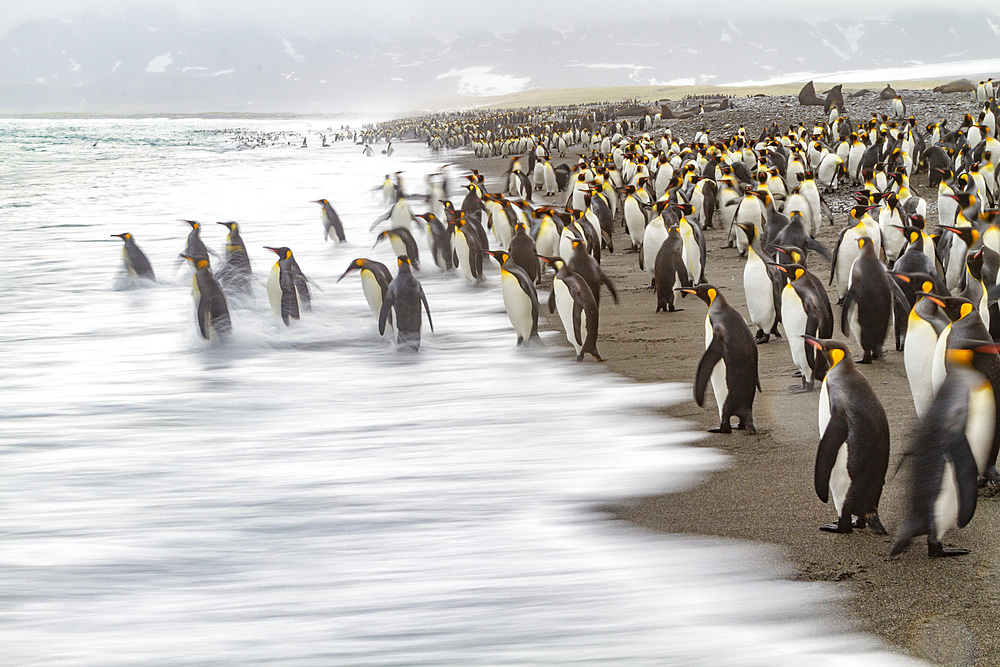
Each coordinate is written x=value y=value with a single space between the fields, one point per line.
x=805 y=310
x=375 y=279
x=236 y=273
x=924 y=326
x=134 y=259
x=583 y=264
x=669 y=270
x=331 y=221
x=574 y=300
x=868 y=303
x=730 y=361
x=211 y=309
x=287 y=287
x=853 y=453
x=403 y=298
x=520 y=299
x=758 y=284
x=942 y=480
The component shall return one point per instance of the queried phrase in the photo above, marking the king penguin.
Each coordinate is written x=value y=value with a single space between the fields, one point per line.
x=868 y=303
x=584 y=265
x=134 y=259
x=375 y=279
x=236 y=273
x=211 y=309
x=574 y=300
x=805 y=310
x=403 y=298
x=402 y=242
x=924 y=326
x=942 y=481
x=730 y=361
x=853 y=453
x=758 y=285
x=330 y=220
x=287 y=288
x=520 y=299
x=669 y=269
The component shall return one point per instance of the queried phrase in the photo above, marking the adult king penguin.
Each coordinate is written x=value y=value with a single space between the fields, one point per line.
x=235 y=274
x=211 y=309
x=669 y=269
x=403 y=298
x=375 y=279
x=758 y=284
x=520 y=299
x=330 y=220
x=868 y=303
x=942 y=482
x=805 y=309
x=853 y=453
x=287 y=287
x=584 y=265
x=730 y=361
x=574 y=300
x=134 y=259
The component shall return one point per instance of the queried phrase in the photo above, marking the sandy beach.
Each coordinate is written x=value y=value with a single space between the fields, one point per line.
x=944 y=610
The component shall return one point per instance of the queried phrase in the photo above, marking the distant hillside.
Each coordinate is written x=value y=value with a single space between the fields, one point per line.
x=99 y=64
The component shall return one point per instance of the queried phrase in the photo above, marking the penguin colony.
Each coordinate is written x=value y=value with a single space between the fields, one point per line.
x=931 y=280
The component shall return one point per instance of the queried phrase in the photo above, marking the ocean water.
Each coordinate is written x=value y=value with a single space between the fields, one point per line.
x=305 y=494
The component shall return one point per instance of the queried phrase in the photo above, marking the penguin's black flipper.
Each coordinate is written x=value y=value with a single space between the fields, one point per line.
x=845 y=322
x=712 y=356
x=302 y=288
x=383 y=314
x=577 y=313
x=427 y=308
x=816 y=246
x=826 y=456
x=900 y=313
x=204 y=318
x=289 y=302
x=611 y=286
x=966 y=474
x=836 y=251
x=552 y=300
x=380 y=219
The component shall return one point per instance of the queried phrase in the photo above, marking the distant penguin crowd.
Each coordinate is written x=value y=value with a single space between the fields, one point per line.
x=933 y=280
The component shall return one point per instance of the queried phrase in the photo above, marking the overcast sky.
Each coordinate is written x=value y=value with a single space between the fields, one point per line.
x=413 y=18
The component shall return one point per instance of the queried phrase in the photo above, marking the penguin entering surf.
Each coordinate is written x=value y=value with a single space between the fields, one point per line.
x=331 y=221
x=134 y=260
x=375 y=279
x=287 y=287
x=235 y=274
x=211 y=309
x=403 y=298
x=729 y=361
x=402 y=242
x=942 y=468
x=577 y=308
x=520 y=299
x=853 y=453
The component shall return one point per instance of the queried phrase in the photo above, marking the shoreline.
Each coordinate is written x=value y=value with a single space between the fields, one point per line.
x=944 y=610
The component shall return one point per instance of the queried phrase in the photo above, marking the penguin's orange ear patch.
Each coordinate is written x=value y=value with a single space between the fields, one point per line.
x=836 y=356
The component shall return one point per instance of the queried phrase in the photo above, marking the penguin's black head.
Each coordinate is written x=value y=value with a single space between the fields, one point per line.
x=403 y=262
x=500 y=256
x=282 y=252
x=793 y=271
x=834 y=351
x=954 y=307
x=194 y=224
x=792 y=252
x=749 y=230
x=321 y=202
x=197 y=263
x=227 y=225
x=555 y=262
x=705 y=292
x=916 y=282
x=968 y=234
x=124 y=237
x=356 y=265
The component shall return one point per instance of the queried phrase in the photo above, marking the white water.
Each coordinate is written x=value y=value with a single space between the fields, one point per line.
x=306 y=495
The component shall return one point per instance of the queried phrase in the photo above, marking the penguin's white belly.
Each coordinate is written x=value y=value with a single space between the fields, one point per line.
x=564 y=304
x=918 y=359
x=692 y=254
x=517 y=304
x=635 y=221
x=652 y=240
x=400 y=216
x=274 y=290
x=550 y=179
x=938 y=369
x=758 y=287
x=793 y=319
x=855 y=325
x=398 y=246
x=372 y=291
x=846 y=254
x=956 y=262
x=547 y=242
x=980 y=424
x=502 y=230
x=946 y=504
x=719 y=386
x=840 y=481
x=464 y=261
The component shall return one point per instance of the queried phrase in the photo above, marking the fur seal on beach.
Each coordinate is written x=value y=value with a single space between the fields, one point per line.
x=853 y=453
x=286 y=286
x=403 y=298
x=730 y=361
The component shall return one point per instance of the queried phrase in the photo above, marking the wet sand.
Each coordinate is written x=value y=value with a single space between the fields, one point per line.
x=943 y=610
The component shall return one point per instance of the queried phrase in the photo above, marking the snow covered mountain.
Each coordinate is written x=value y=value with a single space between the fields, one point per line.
x=99 y=63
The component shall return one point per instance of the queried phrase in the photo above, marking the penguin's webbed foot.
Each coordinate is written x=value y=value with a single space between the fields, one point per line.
x=723 y=428
x=867 y=359
x=803 y=388
x=993 y=476
x=873 y=522
x=935 y=550
x=836 y=528
x=674 y=310
x=762 y=337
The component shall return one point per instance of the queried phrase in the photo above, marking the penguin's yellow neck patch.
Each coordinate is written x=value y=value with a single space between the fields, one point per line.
x=963 y=357
x=836 y=356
